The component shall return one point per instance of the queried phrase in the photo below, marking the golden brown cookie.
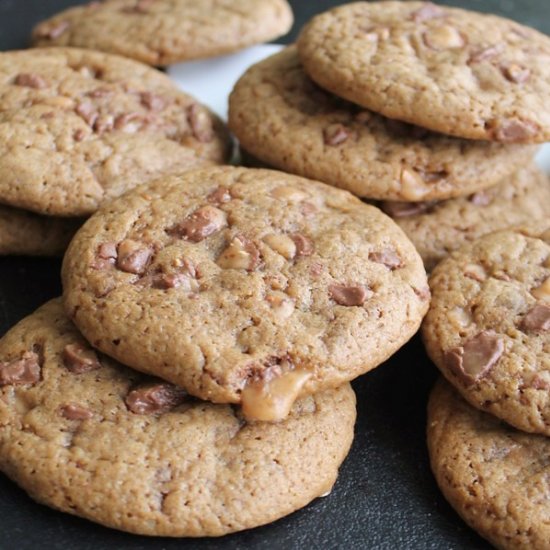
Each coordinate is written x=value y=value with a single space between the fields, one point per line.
x=281 y=117
x=88 y=436
x=25 y=233
x=161 y=32
x=245 y=286
x=453 y=71
x=438 y=228
x=488 y=327
x=494 y=476
x=78 y=128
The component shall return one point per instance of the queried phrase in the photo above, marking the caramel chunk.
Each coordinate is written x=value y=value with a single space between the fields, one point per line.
x=74 y=411
x=537 y=319
x=349 y=295
x=128 y=122
x=241 y=253
x=79 y=359
x=200 y=123
x=304 y=245
x=152 y=101
x=133 y=256
x=423 y=293
x=221 y=195
x=155 y=398
x=21 y=371
x=444 y=37
x=52 y=32
x=481 y=198
x=542 y=292
x=397 y=209
x=516 y=73
x=476 y=357
x=87 y=112
x=271 y=400
x=486 y=54
x=203 y=223
x=388 y=257
x=30 y=80
x=426 y=12
x=335 y=134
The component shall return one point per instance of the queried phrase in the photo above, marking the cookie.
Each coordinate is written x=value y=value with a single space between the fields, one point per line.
x=453 y=71
x=245 y=286
x=495 y=477
x=438 y=228
x=281 y=117
x=86 y=435
x=161 y=32
x=25 y=233
x=81 y=127
x=488 y=327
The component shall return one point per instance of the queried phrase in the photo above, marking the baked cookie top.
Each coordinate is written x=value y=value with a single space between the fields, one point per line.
x=488 y=328
x=161 y=32
x=83 y=434
x=80 y=127
x=438 y=228
x=245 y=286
x=280 y=116
x=453 y=71
x=25 y=233
x=495 y=477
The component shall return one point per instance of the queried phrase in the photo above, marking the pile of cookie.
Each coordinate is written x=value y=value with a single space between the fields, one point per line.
x=193 y=378
x=432 y=113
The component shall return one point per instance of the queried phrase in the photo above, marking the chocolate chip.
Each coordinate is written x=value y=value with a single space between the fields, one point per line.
x=200 y=122
x=79 y=359
x=221 y=195
x=141 y=6
x=129 y=122
x=516 y=73
x=476 y=357
x=426 y=12
x=87 y=112
x=423 y=293
x=100 y=92
x=79 y=135
x=73 y=411
x=304 y=245
x=21 y=371
x=486 y=54
x=537 y=319
x=203 y=223
x=106 y=256
x=155 y=398
x=335 y=134
x=133 y=256
x=152 y=101
x=52 y=32
x=512 y=130
x=349 y=295
x=30 y=80
x=388 y=257
x=104 y=123
x=397 y=209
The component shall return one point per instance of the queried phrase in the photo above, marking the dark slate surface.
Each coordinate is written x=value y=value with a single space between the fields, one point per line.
x=385 y=496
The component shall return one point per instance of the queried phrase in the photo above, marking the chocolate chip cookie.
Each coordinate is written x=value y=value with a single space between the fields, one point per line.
x=281 y=117
x=245 y=286
x=78 y=128
x=488 y=328
x=438 y=228
x=25 y=233
x=161 y=32
x=86 y=435
x=495 y=477
x=453 y=71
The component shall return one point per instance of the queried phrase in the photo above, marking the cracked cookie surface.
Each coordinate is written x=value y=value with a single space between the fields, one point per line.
x=456 y=72
x=26 y=233
x=488 y=327
x=161 y=32
x=86 y=435
x=494 y=476
x=229 y=279
x=78 y=128
x=284 y=119
x=438 y=228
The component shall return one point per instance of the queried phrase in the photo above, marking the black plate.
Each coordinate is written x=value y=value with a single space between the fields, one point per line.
x=385 y=496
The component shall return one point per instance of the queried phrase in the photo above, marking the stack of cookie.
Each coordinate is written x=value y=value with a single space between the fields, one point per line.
x=488 y=331
x=80 y=128
x=432 y=112
x=238 y=304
